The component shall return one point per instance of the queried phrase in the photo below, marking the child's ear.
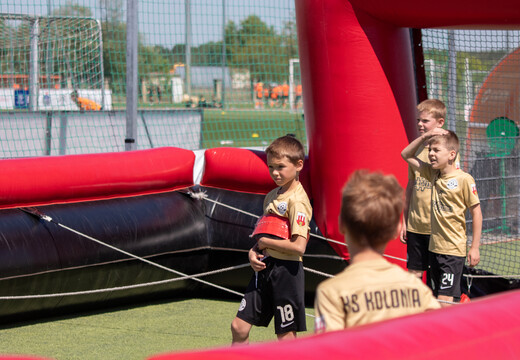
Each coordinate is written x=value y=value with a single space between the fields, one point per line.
x=299 y=165
x=440 y=122
x=453 y=154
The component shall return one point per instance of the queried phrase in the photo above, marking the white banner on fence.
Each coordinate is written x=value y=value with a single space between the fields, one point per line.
x=52 y=99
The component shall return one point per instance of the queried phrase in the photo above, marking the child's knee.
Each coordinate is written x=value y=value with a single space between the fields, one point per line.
x=240 y=328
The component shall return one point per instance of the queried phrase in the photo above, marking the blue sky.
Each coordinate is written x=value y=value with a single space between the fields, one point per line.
x=163 y=21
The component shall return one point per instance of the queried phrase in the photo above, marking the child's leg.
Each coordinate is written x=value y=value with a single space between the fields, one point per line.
x=287 y=336
x=255 y=308
x=288 y=298
x=417 y=253
x=446 y=271
x=240 y=331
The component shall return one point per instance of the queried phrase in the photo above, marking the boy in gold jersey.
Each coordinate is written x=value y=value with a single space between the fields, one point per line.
x=416 y=227
x=277 y=287
x=370 y=289
x=453 y=192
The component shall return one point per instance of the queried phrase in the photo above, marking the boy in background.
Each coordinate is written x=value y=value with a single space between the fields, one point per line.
x=370 y=289
x=277 y=287
x=453 y=192
x=416 y=230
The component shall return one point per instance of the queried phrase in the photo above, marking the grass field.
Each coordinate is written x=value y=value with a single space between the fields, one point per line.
x=133 y=332
x=240 y=128
x=500 y=258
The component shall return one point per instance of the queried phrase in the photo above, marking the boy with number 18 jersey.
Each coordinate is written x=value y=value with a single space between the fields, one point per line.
x=277 y=287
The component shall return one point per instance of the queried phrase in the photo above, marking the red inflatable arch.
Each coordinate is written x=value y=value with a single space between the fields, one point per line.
x=360 y=98
x=360 y=93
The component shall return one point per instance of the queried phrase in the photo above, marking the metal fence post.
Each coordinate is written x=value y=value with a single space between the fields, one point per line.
x=131 y=75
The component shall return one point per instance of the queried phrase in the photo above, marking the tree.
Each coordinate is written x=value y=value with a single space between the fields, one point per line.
x=208 y=54
x=113 y=10
x=72 y=9
x=258 y=47
x=290 y=39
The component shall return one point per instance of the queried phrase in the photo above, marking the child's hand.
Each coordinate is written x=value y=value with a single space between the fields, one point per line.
x=434 y=132
x=260 y=244
x=255 y=260
x=402 y=234
x=473 y=257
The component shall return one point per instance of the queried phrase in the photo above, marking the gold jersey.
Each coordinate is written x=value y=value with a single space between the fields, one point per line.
x=452 y=195
x=367 y=292
x=296 y=207
x=419 y=209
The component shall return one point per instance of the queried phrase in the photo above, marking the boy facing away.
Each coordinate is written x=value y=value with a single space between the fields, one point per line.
x=277 y=287
x=416 y=228
x=370 y=289
x=453 y=192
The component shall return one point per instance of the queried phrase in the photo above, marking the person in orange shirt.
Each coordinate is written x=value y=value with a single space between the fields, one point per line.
x=285 y=94
x=84 y=104
x=276 y=95
x=259 y=90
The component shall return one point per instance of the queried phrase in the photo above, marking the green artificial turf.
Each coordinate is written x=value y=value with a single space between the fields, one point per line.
x=133 y=332
x=245 y=128
x=500 y=258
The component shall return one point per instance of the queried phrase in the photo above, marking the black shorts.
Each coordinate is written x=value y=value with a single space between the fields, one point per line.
x=417 y=251
x=277 y=291
x=446 y=274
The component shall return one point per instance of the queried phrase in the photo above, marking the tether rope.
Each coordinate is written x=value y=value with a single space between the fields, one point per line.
x=202 y=196
x=317 y=272
x=448 y=302
x=166 y=281
x=183 y=276
x=47 y=218
x=37 y=213
x=491 y=276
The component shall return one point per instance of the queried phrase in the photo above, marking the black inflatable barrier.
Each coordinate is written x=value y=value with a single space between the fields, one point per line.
x=478 y=286
x=172 y=229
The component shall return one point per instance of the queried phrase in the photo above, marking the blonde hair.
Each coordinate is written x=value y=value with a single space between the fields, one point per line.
x=450 y=141
x=434 y=107
x=286 y=146
x=371 y=207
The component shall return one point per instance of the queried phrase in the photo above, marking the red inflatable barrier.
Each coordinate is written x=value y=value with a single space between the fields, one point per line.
x=483 y=329
x=242 y=170
x=63 y=179
x=21 y=357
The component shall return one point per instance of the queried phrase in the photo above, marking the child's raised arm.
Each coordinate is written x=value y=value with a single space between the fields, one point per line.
x=408 y=153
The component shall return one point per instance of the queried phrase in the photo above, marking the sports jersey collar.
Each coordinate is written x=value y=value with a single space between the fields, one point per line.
x=454 y=173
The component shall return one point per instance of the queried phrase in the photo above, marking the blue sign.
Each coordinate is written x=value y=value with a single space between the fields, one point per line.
x=21 y=99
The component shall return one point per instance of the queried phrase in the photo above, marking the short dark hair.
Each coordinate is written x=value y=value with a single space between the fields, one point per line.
x=286 y=146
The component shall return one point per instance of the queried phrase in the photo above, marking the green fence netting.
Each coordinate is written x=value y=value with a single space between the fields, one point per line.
x=226 y=73
x=230 y=67
x=476 y=73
